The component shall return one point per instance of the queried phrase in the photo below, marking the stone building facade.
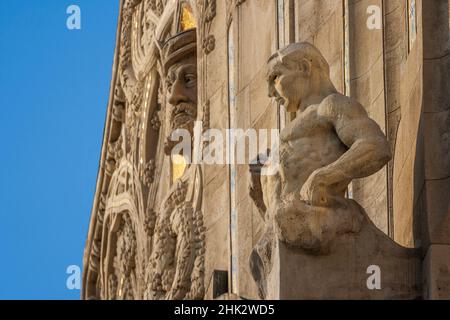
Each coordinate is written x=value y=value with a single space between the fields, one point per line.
x=162 y=228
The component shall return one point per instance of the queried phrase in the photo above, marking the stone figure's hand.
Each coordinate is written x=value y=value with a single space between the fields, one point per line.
x=315 y=190
x=254 y=187
x=255 y=169
x=255 y=175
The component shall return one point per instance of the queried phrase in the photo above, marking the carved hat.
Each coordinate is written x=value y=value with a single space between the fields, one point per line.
x=178 y=47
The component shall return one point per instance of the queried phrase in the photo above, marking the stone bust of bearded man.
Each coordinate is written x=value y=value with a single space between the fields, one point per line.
x=176 y=266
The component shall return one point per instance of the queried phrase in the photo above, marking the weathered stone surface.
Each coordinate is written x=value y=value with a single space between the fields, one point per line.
x=401 y=83
x=256 y=37
x=216 y=222
x=320 y=22
x=344 y=273
x=367 y=86
x=436 y=25
x=437 y=273
x=436 y=123
x=437 y=145
x=436 y=70
x=437 y=222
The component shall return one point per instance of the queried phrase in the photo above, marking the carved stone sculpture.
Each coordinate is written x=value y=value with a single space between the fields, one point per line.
x=175 y=268
x=146 y=233
x=331 y=141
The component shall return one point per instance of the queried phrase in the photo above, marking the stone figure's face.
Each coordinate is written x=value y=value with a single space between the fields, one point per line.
x=181 y=84
x=287 y=85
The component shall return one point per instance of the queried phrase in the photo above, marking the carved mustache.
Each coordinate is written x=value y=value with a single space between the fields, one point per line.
x=182 y=110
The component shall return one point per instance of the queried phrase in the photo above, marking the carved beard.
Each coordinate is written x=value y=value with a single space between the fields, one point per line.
x=183 y=116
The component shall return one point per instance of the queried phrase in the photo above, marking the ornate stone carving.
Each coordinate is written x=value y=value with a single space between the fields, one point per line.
x=155 y=122
x=115 y=149
x=231 y=6
x=175 y=269
x=150 y=222
x=124 y=260
x=209 y=44
x=331 y=142
x=208 y=13
x=206 y=116
x=149 y=173
x=119 y=112
x=133 y=156
x=122 y=254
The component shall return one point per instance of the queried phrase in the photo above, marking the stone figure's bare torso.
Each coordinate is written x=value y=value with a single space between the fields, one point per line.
x=308 y=143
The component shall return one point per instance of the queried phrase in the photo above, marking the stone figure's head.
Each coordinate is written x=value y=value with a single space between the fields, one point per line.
x=294 y=72
x=180 y=68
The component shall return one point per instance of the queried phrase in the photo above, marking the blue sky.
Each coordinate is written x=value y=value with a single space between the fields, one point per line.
x=54 y=86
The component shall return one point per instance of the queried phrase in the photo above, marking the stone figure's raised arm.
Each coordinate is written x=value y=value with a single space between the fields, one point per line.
x=368 y=149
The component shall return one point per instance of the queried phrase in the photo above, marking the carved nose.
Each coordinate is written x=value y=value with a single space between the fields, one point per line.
x=177 y=94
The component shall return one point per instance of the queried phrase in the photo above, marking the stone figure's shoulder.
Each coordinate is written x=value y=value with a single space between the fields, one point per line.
x=337 y=106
